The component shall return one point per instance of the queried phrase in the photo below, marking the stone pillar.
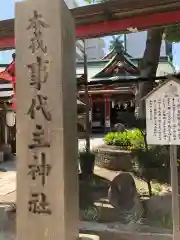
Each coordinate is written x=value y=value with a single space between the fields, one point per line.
x=107 y=113
x=47 y=193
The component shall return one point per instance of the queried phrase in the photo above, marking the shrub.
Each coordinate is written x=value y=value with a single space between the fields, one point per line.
x=158 y=188
x=149 y=162
x=152 y=165
x=128 y=140
x=160 y=221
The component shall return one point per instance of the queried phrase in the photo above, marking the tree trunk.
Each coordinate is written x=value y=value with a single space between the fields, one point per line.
x=148 y=67
x=149 y=188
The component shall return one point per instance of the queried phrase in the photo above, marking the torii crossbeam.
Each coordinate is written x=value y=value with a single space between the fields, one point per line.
x=109 y=18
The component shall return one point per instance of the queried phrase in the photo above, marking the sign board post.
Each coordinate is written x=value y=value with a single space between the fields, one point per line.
x=175 y=192
x=163 y=128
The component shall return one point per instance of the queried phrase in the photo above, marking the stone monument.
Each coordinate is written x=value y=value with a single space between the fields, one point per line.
x=47 y=193
x=123 y=197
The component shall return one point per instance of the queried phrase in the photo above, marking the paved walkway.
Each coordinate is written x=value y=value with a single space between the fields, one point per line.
x=8 y=194
x=8 y=182
x=94 y=142
x=8 y=178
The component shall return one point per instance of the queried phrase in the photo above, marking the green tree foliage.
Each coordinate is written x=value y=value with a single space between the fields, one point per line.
x=172 y=33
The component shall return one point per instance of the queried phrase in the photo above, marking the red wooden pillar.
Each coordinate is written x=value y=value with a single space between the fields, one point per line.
x=107 y=113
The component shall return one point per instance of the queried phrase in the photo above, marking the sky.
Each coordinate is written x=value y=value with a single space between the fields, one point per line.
x=7 y=11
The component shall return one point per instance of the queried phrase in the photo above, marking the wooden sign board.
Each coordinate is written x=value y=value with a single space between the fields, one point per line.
x=163 y=114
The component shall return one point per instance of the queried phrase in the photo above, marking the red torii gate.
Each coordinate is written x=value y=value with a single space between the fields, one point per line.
x=110 y=18
x=9 y=74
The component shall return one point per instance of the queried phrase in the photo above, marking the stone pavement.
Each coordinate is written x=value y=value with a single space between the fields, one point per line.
x=8 y=182
x=8 y=194
x=8 y=178
x=95 y=141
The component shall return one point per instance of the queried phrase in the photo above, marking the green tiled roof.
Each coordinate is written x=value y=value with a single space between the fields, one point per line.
x=94 y=67
x=164 y=68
